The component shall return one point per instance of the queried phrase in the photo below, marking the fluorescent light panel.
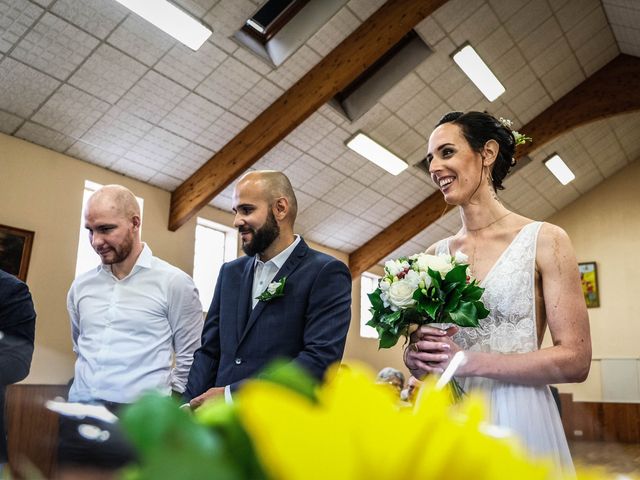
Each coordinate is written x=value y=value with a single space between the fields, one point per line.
x=376 y=153
x=559 y=169
x=171 y=20
x=478 y=72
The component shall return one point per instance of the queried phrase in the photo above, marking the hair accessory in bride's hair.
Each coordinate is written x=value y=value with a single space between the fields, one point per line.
x=519 y=138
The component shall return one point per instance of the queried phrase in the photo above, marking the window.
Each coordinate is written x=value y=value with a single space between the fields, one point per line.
x=368 y=283
x=87 y=258
x=215 y=244
x=280 y=27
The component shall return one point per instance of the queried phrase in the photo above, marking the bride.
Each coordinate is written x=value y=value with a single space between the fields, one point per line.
x=531 y=280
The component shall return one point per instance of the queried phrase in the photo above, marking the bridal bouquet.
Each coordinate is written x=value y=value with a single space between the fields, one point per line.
x=424 y=289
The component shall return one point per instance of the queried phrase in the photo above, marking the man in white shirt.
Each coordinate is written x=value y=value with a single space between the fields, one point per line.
x=283 y=300
x=131 y=315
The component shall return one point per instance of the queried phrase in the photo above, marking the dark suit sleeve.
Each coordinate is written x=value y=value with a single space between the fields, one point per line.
x=206 y=359
x=17 y=324
x=327 y=319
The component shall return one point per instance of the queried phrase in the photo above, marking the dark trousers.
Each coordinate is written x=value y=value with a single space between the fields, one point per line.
x=88 y=442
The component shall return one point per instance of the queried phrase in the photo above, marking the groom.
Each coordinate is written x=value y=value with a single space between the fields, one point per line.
x=304 y=309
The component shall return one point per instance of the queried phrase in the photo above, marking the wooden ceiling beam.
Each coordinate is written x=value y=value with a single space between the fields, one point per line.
x=610 y=91
x=334 y=72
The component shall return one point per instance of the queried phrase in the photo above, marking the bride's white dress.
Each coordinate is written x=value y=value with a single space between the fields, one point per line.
x=530 y=411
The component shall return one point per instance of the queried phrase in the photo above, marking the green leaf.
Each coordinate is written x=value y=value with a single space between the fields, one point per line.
x=453 y=301
x=376 y=301
x=436 y=279
x=465 y=315
x=481 y=309
x=457 y=274
x=472 y=293
x=388 y=340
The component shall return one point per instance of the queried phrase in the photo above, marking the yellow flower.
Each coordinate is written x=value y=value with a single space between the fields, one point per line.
x=357 y=431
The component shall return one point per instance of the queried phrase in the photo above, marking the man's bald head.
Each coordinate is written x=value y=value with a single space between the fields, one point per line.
x=118 y=199
x=274 y=185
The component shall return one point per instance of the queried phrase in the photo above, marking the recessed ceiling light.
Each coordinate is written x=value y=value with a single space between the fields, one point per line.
x=478 y=72
x=170 y=19
x=559 y=169
x=376 y=153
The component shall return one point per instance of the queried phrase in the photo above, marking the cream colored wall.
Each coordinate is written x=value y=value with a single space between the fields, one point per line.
x=42 y=190
x=604 y=226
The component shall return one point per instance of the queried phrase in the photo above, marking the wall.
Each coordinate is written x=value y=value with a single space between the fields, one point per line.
x=604 y=225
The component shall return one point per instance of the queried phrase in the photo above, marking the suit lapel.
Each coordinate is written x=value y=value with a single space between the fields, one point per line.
x=289 y=267
x=244 y=298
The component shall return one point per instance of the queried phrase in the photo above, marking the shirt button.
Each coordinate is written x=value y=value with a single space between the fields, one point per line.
x=238 y=361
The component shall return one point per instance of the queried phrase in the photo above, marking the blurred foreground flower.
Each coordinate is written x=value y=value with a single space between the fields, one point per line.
x=285 y=427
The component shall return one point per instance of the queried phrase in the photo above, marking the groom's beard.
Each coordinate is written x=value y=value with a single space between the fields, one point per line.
x=261 y=238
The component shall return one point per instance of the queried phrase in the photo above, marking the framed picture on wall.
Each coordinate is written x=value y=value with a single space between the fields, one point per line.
x=589 y=279
x=15 y=250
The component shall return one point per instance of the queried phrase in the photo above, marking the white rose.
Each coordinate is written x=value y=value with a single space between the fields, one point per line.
x=438 y=263
x=413 y=278
x=393 y=267
x=384 y=285
x=273 y=287
x=425 y=280
x=461 y=257
x=401 y=293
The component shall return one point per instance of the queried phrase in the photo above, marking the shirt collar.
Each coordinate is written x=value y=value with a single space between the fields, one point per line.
x=280 y=259
x=143 y=261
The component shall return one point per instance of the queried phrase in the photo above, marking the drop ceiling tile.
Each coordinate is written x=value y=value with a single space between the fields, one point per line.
x=452 y=80
x=402 y=92
x=108 y=74
x=413 y=112
x=349 y=163
x=310 y=132
x=16 y=17
x=527 y=19
x=196 y=8
x=541 y=40
x=141 y=39
x=70 y=111
x=23 y=89
x=389 y=131
x=370 y=120
x=253 y=61
x=95 y=16
x=221 y=131
x=192 y=157
x=558 y=52
x=189 y=68
x=228 y=83
x=192 y=116
x=134 y=170
x=304 y=201
x=477 y=27
x=54 y=46
x=166 y=182
x=466 y=97
x=294 y=67
x=454 y=12
x=601 y=47
x=117 y=131
x=303 y=171
x=430 y=31
x=314 y=215
x=44 y=136
x=228 y=16
x=587 y=181
x=153 y=97
x=530 y=101
x=507 y=8
x=364 y=8
x=428 y=123
x=408 y=143
x=574 y=11
x=92 y=154
x=366 y=199
x=563 y=77
x=495 y=45
x=330 y=147
x=333 y=32
x=342 y=193
x=280 y=157
x=582 y=31
x=9 y=122
x=157 y=147
x=44 y=3
x=434 y=66
x=369 y=173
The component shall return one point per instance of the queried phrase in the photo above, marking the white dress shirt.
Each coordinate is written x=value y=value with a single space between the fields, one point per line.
x=126 y=332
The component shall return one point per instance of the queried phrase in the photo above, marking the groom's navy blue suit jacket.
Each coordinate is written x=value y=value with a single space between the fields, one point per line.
x=308 y=324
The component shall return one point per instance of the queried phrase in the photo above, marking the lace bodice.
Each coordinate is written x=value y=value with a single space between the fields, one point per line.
x=510 y=297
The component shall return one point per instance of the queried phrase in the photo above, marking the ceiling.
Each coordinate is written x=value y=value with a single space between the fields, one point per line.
x=94 y=81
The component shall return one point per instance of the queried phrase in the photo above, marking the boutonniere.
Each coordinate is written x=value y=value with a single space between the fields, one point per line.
x=274 y=290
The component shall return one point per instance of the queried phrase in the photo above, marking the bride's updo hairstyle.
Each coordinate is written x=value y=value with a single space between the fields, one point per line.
x=478 y=128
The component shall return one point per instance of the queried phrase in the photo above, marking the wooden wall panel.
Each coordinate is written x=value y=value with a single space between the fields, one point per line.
x=32 y=430
x=600 y=421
